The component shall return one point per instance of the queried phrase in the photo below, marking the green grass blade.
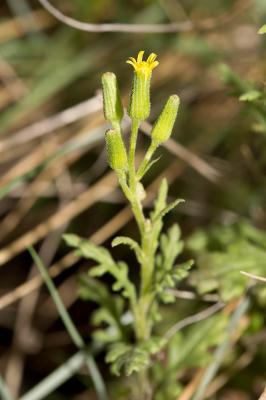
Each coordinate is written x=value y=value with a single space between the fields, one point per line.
x=56 y=378
x=70 y=327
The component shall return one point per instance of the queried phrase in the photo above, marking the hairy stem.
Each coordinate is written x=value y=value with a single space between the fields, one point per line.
x=135 y=201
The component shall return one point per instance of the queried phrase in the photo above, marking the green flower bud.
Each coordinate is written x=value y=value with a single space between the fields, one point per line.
x=163 y=127
x=112 y=105
x=116 y=152
x=139 y=107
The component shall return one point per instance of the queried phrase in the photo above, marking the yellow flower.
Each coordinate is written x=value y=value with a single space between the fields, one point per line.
x=141 y=66
x=139 y=107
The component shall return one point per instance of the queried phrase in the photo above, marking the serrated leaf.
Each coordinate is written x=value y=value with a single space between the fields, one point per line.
x=181 y=271
x=131 y=243
x=227 y=251
x=106 y=264
x=116 y=351
x=110 y=309
x=167 y=273
x=190 y=348
x=89 y=250
x=127 y=358
x=92 y=289
x=153 y=345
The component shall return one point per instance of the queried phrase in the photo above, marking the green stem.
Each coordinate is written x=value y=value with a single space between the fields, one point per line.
x=135 y=202
x=142 y=323
x=132 y=151
x=123 y=184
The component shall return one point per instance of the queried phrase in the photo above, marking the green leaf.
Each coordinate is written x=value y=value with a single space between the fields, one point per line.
x=148 y=167
x=160 y=202
x=250 y=96
x=229 y=250
x=188 y=349
x=131 y=243
x=153 y=345
x=110 y=309
x=89 y=250
x=129 y=358
x=168 y=208
x=126 y=358
x=167 y=272
x=262 y=30
x=106 y=264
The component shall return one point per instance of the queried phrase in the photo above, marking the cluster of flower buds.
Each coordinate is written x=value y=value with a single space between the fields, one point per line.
x=139 y=109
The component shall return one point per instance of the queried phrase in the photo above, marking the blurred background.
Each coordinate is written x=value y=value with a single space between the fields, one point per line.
x=54 y=176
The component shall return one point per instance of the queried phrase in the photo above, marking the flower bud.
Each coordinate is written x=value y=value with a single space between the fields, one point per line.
x=116 y=152
x=139 y=107
x=112 y=105
x=163 y=127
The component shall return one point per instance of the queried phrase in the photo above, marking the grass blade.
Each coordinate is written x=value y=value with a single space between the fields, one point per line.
x=56 y=378
x=70 y=327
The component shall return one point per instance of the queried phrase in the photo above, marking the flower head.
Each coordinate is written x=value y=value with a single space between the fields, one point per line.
x=139 y=107
x=141 y=66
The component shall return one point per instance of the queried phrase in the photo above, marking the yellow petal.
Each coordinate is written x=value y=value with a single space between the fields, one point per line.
x=140 y=56
x=151 y=57
x=154 y=64
x=131 y=63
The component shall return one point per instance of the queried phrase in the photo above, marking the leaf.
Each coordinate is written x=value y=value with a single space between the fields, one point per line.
x=153 y=345
x=251 y=95
x=126 y=358
x=167 y=273
x=168 y=208
x=160 y=202
x=110 y=309
x=116 y=351
x=131 y=243
x=92 y=289
x=89 y=250
x=133 y=358
x=227 y=251
x=106 y=264
x=262 y=30
x=189 y=348
x=148 y=167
